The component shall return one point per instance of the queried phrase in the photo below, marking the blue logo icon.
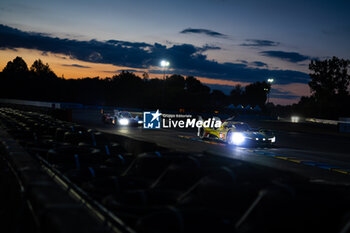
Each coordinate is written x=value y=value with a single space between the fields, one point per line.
x=151 y=120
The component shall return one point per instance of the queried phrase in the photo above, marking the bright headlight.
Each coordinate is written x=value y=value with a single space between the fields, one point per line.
x=140 y=122
x=273 y=139
x=123 y=121
x=237 y=139
x=295 y=119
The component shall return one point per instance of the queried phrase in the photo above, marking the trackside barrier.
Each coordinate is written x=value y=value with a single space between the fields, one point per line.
x=344 y=125
x=321 y=121
x=51 y=208
x=31 y=103
x=52 y=105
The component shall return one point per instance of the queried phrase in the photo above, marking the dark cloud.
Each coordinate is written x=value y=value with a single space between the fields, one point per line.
x=287 y=56
x=203 y=31
x=241 y=73
x=185 y=59
x=259 y=43
x=95 y=57
x=129 y=44
x=275 y=93
x=125 y=70
x=4 y=48
x=93 y=51
x=76 y=65
x=259 y=64
x=208 y=47
x=242 y=61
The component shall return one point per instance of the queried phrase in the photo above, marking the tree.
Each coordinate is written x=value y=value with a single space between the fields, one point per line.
x=193 y=84
x=175 y=81
x=236 y=95
x=218 y=98
x=197 y=94
x=14 y=79
x=17 y=66
x=174 y=91
x=145 y=76
x=329 y=87
x=329 y=78
x=42 y=70
x=256 y=93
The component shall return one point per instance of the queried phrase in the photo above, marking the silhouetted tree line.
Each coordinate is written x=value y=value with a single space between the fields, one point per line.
x=329 y=85
x=126 y=89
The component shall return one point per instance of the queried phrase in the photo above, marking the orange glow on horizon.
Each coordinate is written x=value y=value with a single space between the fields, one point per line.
x=221 y=82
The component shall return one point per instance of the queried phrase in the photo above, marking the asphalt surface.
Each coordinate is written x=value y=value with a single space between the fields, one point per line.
x=321 y=156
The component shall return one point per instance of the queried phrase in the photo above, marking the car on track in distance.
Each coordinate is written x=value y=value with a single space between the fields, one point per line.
x=121 y=118
x=238 y=133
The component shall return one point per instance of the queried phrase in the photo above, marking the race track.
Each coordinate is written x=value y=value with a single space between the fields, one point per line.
x=321 y=157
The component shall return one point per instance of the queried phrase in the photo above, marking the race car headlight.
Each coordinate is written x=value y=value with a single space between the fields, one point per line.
x=272 y=139
x=139 y=122
x=237 y=139
x=123 y=121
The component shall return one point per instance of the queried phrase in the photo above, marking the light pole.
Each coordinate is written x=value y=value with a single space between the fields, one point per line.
x=165 y=64
x=269 y=80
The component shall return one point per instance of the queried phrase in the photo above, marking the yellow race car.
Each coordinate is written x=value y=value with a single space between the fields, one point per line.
x=237 y=133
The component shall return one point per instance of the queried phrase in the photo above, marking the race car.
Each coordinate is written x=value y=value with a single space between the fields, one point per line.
x=238 y=133
x=121 y=118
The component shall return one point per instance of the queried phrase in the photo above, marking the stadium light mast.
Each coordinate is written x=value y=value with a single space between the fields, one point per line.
x=270 y=81
x=165 y=64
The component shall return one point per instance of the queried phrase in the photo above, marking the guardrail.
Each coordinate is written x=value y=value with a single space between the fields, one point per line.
x=322 y=121
x=53 y=105
x=343 y=123
x=63 y=105
x=31 y=103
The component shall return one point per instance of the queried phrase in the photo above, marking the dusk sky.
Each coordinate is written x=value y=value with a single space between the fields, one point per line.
x=222 y=42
